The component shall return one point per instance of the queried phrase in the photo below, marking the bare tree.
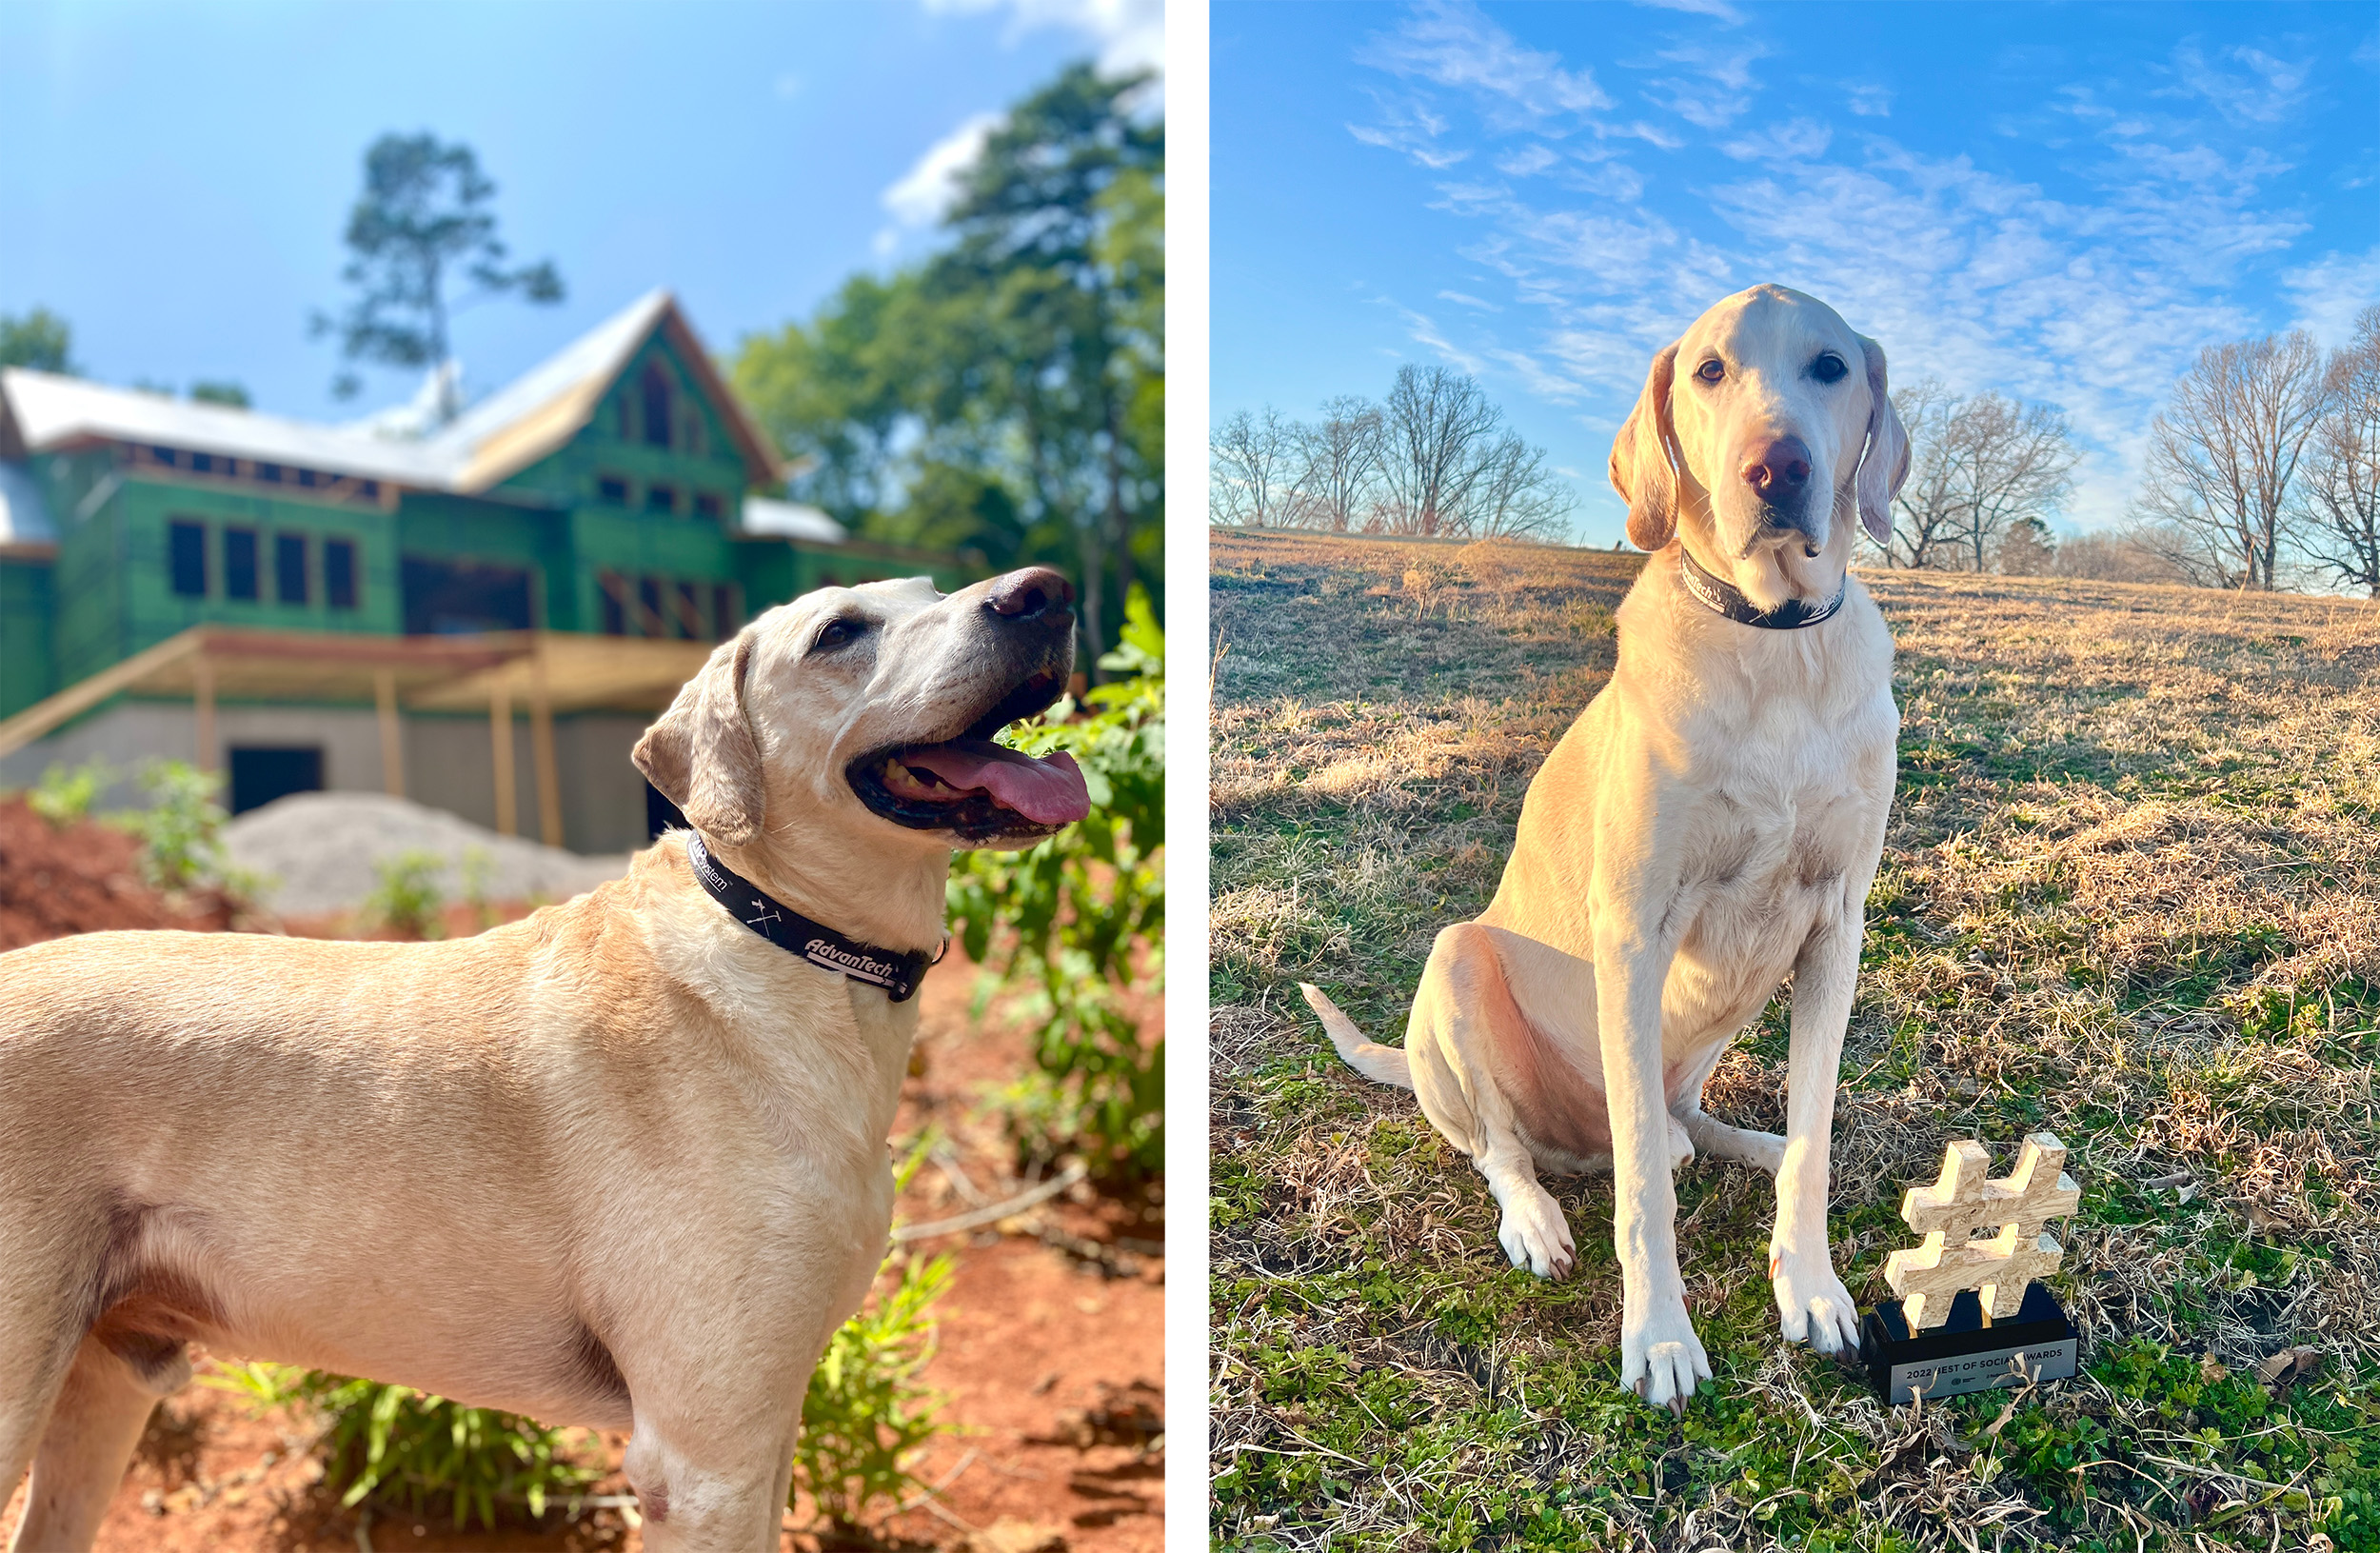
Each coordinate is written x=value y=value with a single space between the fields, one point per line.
x=2217 y=497
x=1516 y=496
x=1923 y=511
x=1342 y=463
x=1436 y=426
x=1255 y=470
x=2115 y=556
x=1981 y=469
x=2340 y=499
x=2018 y=466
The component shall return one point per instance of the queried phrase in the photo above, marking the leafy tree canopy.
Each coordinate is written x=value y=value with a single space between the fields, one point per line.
x=39 y=339
x=1008 y=393
x=423 y=221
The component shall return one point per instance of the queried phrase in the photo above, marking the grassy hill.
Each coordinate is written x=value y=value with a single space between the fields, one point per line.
x=2131 y=893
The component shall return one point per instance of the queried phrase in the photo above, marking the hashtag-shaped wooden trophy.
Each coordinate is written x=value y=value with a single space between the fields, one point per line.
x=1964 y=1201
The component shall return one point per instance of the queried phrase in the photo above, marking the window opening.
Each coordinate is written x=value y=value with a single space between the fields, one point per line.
x=289 y=567
x=239 y=563
x=339 y=581
x=187 y=546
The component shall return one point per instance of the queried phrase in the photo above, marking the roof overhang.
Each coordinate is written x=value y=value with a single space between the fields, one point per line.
x=562 y=671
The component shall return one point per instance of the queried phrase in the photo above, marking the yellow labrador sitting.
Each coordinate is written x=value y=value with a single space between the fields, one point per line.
x=621 y=1164
x=1709 y=826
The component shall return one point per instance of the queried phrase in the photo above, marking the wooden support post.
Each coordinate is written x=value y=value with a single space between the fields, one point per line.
x=500 y=737
x=391 y=732
x=203 y=674
x=542 y=758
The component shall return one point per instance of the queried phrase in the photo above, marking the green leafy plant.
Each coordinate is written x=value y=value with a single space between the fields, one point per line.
x=64 y=796
x=1068 y=926
x=477 y=866
x=398 y=1445
x=181 y=828
x=867 y=1412
x=408 y=898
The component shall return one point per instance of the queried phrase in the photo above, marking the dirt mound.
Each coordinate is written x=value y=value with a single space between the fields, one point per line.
x=83 y=879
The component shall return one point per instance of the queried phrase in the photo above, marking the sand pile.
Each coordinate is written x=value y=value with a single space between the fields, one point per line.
x=316 y=852
x=83 y=879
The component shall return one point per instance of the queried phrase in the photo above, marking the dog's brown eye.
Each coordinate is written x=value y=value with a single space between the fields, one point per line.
x=1712 y=370
x=836 y=633
x=1829 y=369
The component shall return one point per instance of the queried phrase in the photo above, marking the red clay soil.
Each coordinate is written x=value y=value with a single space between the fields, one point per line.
x=82 y=879
x=1051 y=1333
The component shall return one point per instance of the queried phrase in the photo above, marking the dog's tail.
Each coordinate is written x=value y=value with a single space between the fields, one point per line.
x=1381 y=1065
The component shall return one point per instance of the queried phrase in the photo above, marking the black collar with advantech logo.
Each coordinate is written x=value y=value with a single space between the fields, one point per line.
x=1722 y=597
x=898 y=974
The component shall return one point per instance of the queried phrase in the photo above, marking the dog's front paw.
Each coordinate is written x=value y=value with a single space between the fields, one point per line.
x=1660 y=1359
x=1536 y=1236
x=1812 y=1304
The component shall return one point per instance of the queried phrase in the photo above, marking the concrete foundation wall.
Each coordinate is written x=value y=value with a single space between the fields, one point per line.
x=448 y=764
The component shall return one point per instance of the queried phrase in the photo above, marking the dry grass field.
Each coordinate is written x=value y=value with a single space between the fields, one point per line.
x=2131 y=893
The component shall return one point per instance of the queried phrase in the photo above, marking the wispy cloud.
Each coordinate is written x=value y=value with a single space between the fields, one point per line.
x=1449 y=42
x=1718 y=8
x=1795 y=140
x=2263 y=89
x=2090 y=295
x=2330 y=292
x=1130 y=34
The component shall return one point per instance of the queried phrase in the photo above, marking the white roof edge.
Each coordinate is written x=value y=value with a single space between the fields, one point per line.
x=791 y=520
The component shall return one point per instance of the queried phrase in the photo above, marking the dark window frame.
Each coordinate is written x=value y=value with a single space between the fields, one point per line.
x=336 y=550
x=660 y=496
x=243 y=569
x=187 y=571
x=285 y=546
x=656 y=398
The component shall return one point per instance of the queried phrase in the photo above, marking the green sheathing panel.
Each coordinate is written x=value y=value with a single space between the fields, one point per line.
x=25 y=668
x=494 y=533
x=114 y=588
x=639 y=544
x=611 y=445
x=775 y=571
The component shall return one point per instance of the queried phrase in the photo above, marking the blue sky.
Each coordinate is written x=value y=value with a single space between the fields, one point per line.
x=2063 y=203
x=175 y=178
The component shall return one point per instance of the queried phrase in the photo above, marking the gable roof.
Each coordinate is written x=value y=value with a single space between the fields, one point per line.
x=521 y=422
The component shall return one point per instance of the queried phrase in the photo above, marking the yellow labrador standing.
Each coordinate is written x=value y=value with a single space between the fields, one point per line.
x=621 y=1164
x=1709 y=826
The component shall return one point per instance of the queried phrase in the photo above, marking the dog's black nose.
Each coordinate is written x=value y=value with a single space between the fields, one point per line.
x=1779 y=470
x=1029 y=594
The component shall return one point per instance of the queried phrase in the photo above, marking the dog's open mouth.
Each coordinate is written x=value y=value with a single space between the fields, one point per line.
x=978 y=790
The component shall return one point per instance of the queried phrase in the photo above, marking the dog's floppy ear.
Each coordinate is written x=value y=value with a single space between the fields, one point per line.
x=701 y=752
x=1641 y=455
x=1886 y=462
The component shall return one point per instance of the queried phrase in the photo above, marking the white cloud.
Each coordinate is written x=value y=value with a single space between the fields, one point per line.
x=2264 y=91
x=2330 y=292
x=2091 y=291
x=1718 y=8
x=1451 y=43
x=1130 y=34
x=1797 y=140
x=928 y=188
x=1870 y=101
x=1424 y=331
x=1533 y=157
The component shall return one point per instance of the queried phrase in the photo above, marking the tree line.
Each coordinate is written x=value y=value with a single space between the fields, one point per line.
x=2263 y=471
x=1435 y=459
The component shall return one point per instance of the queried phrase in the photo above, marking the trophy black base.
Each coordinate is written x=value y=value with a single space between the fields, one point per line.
x=1966 y=1353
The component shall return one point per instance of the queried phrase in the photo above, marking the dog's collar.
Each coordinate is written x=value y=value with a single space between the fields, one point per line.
x=1722 y=597
x=896 y=973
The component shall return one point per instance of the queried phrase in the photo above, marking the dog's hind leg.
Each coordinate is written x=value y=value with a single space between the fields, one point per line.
x=93 y=1425
x=1501 y=1089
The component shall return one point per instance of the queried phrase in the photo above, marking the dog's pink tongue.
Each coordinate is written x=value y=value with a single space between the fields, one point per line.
x=1047 y=791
